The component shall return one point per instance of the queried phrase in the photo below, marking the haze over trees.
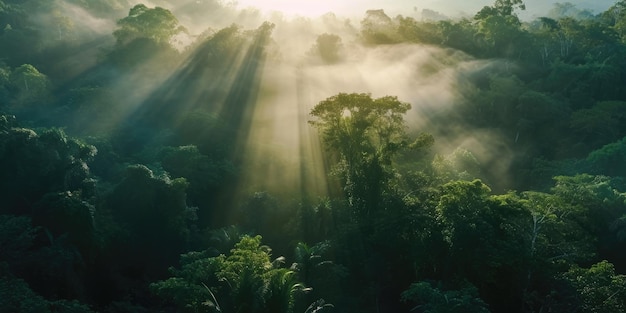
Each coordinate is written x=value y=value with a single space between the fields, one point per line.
x=193 y=156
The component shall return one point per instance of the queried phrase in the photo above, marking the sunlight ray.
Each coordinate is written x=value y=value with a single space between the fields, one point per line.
x=125 y=97
x=282 y=154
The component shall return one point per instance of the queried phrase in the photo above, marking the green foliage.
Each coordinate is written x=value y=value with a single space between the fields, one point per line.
x=35 y=164
x=204 y=174
x=327 y=47
x=31 y=86
x=608 y=160
x=499 y=29
x=553 y=231
x=366 y=133
x=69 y=306
x=67 y=214
x=244 y=271
x=483 y=241
x=222 y=46
x=550 y=93
x=502 y=35
x=319 y=306
x=410 y=30
x=462 y=204
x=152 y=208
x=16 y=238
x=144 y=46
x=538 y=111
x=5 y=87
x=357 y=125
x=600 y=204
x=458 y=165
x=586 y=190
x=263 y=214
x=317 y=270
x=599 y=288
x=206 y=131
x=378 y=28
x=616 y=18
x=601 y=124
x=496 y=106
x=22 y=249
x=188 y=162
x=158 y=24
x=244 y=281
x=462 y=212
x=145 y=223
x=432 y=299
x=189 y=292
x=16 y=296
x=500 y=8
x=470 y=229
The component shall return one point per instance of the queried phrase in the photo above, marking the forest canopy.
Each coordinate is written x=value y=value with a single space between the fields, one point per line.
x=201 y=156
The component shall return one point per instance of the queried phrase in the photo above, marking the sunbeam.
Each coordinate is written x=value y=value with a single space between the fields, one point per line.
x=312 y=156
x=282 y=154
x=297 y=8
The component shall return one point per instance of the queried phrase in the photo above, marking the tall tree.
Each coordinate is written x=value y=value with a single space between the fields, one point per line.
x=378 y=28
x=616 y=18
x=365 y=133
x=158 y=24
x=500 y=8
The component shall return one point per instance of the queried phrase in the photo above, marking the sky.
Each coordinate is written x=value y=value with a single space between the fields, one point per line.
x=453 y=8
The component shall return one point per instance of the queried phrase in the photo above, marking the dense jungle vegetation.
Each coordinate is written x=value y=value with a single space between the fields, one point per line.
x=126 y=184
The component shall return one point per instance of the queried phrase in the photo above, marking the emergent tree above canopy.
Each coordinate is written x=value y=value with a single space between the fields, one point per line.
x=158 y=24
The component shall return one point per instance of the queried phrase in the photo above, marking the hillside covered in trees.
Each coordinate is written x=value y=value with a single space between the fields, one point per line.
x=194 y=156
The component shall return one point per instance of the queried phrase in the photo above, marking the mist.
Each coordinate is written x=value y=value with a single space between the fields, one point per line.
x=312 y=156
x=292 y=75
x=281 y=149
x=449 y=8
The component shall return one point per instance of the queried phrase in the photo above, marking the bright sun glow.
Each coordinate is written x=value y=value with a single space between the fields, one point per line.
x=295 y=7
x=315 y=8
